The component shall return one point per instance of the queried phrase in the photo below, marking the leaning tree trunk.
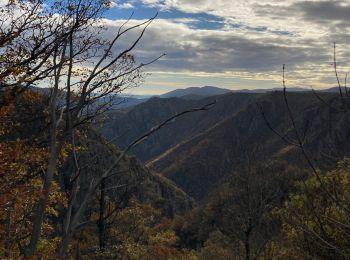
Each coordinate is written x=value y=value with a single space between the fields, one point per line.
x=41 y=207
x=247 y=242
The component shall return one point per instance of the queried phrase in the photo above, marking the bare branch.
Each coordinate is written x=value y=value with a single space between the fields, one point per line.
x=336 y=70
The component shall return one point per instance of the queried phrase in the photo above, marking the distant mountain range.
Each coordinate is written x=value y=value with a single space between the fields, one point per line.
x=194 y=93
x=200 y=92
x=197 y=93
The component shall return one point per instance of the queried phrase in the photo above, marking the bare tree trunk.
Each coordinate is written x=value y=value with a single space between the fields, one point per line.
x=8 y=234
x=101 y=220
x=247 y=244
x=63 y=248
x=55 y=148
x=41 y=207
x=72 y=222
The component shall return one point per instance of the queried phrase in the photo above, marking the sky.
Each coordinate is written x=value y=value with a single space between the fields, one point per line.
x=238 y=44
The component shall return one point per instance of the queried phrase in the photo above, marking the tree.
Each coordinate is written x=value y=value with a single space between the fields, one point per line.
x=137 y=231
x=59 y=45
x=27 y=41
x=218 y=246
x=313 y=223
x=242 y=210
x=73 y=219
x=76 y=63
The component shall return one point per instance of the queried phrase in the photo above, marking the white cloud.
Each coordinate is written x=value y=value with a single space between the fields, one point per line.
x=230 y=54
x=285 y=16
x=256 y=39
x=126 y=5
x=151 y=2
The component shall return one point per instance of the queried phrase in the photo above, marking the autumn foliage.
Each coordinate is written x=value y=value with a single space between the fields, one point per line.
x=22 y=164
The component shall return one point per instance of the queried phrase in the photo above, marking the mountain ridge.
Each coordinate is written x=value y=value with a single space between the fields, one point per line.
x=196 y=91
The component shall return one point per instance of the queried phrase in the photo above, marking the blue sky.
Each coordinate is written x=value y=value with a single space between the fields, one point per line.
x=144 y=11
x=238 y=44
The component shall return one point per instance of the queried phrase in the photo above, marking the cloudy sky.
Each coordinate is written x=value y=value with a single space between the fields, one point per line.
x=239 y=44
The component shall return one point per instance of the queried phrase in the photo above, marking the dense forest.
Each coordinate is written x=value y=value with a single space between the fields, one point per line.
x=210 y=174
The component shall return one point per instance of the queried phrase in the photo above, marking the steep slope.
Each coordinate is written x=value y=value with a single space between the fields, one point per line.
x=129 y=180
x=94 y=157
x=200 y=165
x=122 y=128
